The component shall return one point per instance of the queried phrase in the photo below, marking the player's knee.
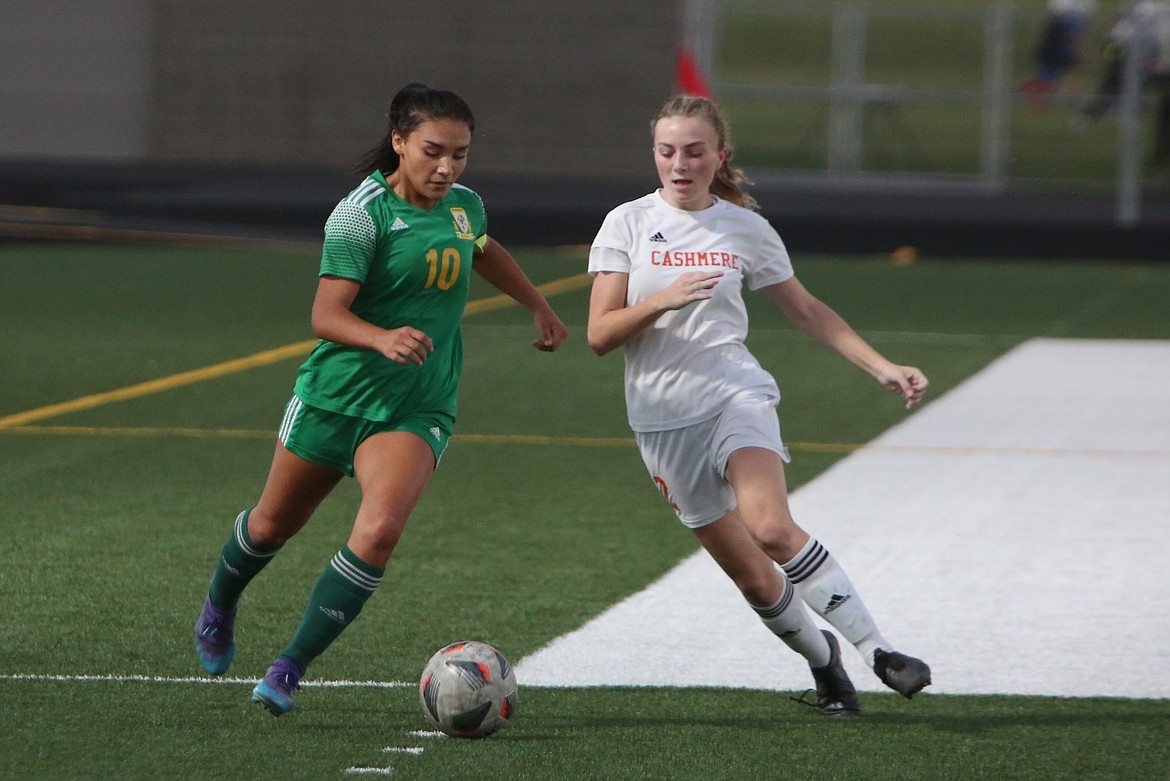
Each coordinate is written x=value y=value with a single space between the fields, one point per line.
x=269 y=530
x=375 y=537
x=779 y=539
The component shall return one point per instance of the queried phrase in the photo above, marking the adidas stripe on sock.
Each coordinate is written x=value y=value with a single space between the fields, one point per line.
x=790 y=621
x=338 y=597
x=239 y=562
x=825 y=587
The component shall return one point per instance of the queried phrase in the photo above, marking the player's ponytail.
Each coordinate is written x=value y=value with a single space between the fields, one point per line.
x=728 y=180
x=413 y=105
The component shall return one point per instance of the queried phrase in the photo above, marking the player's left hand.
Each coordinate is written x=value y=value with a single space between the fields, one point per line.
x=906 y=381
x=552 y=331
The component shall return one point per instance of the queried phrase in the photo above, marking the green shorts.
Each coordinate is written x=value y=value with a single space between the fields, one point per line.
x=331 y=438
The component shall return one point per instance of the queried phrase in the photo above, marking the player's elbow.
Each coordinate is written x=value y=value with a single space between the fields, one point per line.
x=317 y=324
x=599 y=342
x=599 y=348
x=323 y=323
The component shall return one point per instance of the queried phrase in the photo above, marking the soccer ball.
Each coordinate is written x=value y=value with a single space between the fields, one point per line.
x=468 y=690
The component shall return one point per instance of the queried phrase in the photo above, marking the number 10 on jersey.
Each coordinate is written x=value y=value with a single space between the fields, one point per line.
x=444 y=272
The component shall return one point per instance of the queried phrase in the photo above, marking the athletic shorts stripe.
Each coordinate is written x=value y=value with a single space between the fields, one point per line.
x=330 y=439
x=290 y=418
x=353 y=574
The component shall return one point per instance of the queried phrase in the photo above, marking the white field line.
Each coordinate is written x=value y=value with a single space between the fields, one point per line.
x=66 y=678
x=384 y=771
x=370 y=771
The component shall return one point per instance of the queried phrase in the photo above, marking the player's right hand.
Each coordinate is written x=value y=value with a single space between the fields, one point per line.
x=690 y=287
x=405 y=345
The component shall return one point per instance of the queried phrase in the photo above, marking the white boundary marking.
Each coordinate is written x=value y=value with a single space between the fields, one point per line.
x=198 y=679
x=370 y=771
x=427 y=733
x=1013 y=534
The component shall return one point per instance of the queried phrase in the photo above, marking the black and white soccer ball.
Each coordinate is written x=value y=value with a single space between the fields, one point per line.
x=468 y=690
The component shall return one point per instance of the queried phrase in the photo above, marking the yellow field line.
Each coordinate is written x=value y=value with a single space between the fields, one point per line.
x=142 y=431
x=223 y=433
x=540 y=440
x=480 y=439
x=547 y=289
x=242 y=364
x=58 y=232
x=533 y=439
x=159 y=385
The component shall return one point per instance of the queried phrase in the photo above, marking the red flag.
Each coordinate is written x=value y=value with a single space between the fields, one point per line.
x=688 y=78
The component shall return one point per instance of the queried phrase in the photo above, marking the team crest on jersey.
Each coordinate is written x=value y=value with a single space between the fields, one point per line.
x=462 y=223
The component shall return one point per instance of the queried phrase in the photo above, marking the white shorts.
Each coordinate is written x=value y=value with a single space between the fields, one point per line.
x=687 y=464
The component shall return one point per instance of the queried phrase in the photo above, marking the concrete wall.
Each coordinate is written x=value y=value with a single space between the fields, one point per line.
x=74 y=78
x=565 y=87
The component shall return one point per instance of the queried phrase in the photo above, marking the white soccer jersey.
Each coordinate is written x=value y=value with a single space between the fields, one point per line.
x=683 y=368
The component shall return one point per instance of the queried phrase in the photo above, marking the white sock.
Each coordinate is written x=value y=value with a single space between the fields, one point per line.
x=790 y=621
x=825 y=587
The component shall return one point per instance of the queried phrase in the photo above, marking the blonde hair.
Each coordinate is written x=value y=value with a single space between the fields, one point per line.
x=727 y=180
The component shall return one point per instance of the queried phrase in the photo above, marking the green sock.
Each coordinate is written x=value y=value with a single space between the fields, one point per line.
x=338 y=597
x=239 y=562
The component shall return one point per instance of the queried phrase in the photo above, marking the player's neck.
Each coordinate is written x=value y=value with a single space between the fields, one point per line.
x=402 y=188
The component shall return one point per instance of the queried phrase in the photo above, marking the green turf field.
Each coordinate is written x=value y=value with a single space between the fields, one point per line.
x=113 y=510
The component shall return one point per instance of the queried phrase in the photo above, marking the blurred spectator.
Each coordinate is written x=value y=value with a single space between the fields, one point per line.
x=1059 y=49
x=1146 y=32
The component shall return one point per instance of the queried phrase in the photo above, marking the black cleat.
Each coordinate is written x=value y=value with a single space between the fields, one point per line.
x=904 y=674
x=835 y=693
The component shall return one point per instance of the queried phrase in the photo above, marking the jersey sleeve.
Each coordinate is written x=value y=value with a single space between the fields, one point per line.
x=608 y=259
x=611 y=247
x=771 y=266
x=350 y=240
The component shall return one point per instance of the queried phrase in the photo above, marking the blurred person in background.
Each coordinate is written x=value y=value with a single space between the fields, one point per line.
x=1144 y=32
x=1059 y=48
x=376 y=398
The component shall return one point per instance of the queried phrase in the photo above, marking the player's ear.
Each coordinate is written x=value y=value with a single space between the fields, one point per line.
x=397 y=142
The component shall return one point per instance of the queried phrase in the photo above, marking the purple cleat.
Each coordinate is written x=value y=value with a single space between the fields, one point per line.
x=276 y=690
x=215 y=638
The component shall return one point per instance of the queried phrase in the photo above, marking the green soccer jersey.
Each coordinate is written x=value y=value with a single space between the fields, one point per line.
x=414 y=267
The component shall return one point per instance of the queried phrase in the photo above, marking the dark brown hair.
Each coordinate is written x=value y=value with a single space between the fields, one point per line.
x=412 y=106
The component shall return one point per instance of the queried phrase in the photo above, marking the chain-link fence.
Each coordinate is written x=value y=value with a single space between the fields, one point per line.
x=984 y=95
